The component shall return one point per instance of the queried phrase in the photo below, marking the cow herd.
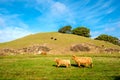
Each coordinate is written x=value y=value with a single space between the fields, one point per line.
x=80 y=61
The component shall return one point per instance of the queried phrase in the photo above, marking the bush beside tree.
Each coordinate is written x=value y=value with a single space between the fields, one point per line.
x=108 y=38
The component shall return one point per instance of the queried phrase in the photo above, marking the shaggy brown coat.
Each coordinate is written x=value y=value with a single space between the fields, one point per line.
x=62 y=62
x=86 y=61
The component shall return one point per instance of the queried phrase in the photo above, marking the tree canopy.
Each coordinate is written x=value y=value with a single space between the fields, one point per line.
x=81 y=31
x=65 y=29
x=108 y=38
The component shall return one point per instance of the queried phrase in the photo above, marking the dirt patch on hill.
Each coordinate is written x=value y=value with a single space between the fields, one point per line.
x=87 y=47
x=45 y=49
x=33 y=49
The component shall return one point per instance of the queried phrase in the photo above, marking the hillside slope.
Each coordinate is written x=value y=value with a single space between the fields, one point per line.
x=57 y=42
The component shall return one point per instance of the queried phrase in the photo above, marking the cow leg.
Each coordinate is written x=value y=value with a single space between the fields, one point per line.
x=78 y=64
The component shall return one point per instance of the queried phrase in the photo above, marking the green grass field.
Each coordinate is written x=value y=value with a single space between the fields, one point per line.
x=41 y=67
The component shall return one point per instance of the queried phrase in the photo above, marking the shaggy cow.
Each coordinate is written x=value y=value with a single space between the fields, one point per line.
x=86 y=61
x=62 y=62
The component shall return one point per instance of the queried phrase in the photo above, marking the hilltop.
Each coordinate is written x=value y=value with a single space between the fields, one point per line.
x=56 y=42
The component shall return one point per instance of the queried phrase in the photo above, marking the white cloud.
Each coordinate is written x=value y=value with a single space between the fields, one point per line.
x=41 y=5
x=11 y=33
x=96 y=11
x=60 y=12
x=54 y=13
x=110 y=10
x=58 y=8
x=106 y=4
x=2 y=22
x=11 y=27
x=109 y=29
x=95 y=33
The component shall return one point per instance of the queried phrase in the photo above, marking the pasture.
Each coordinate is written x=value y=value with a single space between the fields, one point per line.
x=43 y=67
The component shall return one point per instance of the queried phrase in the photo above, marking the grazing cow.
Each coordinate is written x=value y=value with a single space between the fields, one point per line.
x=62 y=62
x=55 y=39
x=42 y=53
x=86 y=61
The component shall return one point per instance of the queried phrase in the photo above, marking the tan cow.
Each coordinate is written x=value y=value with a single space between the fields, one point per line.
x=86 y=61
x=62 y=62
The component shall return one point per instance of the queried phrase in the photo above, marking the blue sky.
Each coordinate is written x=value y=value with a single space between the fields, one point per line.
x=19 y=18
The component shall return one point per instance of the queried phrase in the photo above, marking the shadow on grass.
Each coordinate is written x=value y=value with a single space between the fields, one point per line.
x=116 y=77
x=74 y=65
x=59 y=66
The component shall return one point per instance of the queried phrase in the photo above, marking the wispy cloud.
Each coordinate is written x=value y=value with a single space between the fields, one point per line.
x=111 y=28
x=12 y=28
x=95 y=34
x=11 y=33
x=58 y=9
x=2 y=22
x=54 y=13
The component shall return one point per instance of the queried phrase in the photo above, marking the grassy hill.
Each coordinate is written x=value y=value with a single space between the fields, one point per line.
x=62 y=42
x=41 y=67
